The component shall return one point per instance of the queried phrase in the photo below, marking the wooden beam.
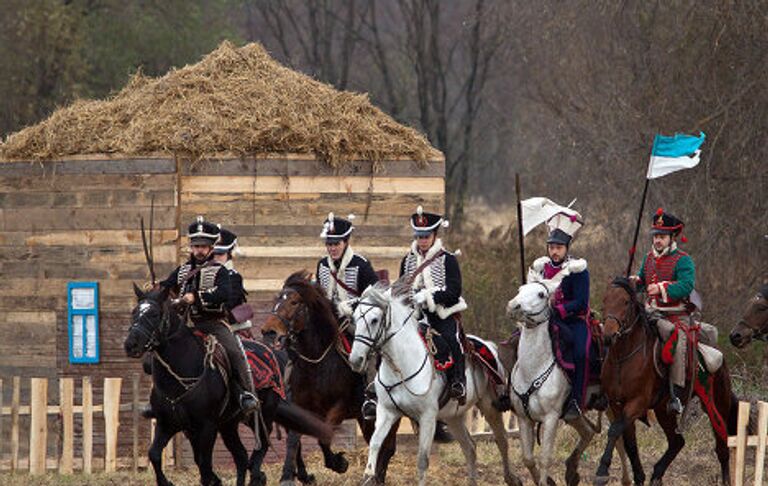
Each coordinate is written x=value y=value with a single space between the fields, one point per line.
x=309 y=167
x=318 y=251
x=741 y=443
x=135 y=422
x=38 y=425
x=93 y=238
x=112 y=388
x=87 y=425
x=88 y=167
x=762 y=436
x=320 y=184
x=66 y=402
x=15 y=403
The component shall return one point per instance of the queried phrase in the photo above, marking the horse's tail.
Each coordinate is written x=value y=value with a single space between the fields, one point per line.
x=295 y=418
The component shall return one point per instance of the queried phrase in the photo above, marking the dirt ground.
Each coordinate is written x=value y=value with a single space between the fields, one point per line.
x=696 y=465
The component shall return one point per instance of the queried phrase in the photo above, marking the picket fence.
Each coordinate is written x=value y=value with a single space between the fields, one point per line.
x=739 y=443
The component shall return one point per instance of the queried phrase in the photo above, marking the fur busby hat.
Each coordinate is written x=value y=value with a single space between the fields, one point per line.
x=563 y=228
x=203 y=232
x=227 y=242
x=666 y=224
x=337 y=229
x=424 y=223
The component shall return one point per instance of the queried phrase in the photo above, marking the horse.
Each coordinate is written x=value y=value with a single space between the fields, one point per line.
x=408 y=384
x=754 y=323
x=540 y=388
x=190 y=396
x=633 y=385
x=320 y=380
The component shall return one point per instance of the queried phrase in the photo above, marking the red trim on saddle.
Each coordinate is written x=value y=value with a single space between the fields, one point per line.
x=667 y=352
x=265 y=370
x=439 y=365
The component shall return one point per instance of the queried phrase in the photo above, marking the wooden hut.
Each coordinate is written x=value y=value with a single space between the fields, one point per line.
x=238 y=138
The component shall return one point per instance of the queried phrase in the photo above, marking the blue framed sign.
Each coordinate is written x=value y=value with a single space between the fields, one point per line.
x=83 y=322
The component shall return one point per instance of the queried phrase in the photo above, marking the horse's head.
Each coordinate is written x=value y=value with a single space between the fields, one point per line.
x=149 y=322
x=531 y=304
x=621 y=309
x=371 y=324
x=290 y=313
x=754 y=324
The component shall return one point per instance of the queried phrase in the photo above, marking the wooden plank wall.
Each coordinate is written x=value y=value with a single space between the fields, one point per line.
x=77 y=219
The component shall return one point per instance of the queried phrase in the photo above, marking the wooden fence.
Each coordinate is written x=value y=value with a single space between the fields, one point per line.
x=66 y=413
x=739 y=443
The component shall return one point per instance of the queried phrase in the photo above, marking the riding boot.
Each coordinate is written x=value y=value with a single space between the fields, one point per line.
x=457 y=380
x=442 y=435
x=369 y=405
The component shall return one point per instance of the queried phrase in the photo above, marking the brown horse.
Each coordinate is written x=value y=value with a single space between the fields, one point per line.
x=633 y=386
x=754 y=324
x=321 y=380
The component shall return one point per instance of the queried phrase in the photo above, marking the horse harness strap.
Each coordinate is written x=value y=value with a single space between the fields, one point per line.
x=189 y=383
x=537 y=383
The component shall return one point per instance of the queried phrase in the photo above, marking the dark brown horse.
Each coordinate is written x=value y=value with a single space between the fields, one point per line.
x=633 y=386
x=754 y=324
x=321 y=380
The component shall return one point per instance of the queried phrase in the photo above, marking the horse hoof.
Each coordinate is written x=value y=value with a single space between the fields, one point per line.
x=259 y=479
x=601 y=480
x=368 y=480
x=512 y=480
x=308 y=479
x=340 y=463
x=572 y=479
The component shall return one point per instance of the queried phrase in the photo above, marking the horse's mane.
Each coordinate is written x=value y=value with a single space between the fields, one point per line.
x=313 y=297
x=625 y=284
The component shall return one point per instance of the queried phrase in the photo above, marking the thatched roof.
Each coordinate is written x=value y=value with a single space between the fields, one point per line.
x=234 y=101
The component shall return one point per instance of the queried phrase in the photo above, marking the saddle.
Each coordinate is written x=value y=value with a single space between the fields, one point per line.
x=437 y=346
x=596 y=356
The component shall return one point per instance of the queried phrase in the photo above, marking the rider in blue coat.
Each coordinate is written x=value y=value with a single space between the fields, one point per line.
x=570 y=303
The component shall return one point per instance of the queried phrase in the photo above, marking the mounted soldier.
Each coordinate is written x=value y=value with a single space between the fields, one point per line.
x=343 y=274
x=668 y=276
x=570 y=303
x=435 y=280
x=205 y=287
x=223 y=251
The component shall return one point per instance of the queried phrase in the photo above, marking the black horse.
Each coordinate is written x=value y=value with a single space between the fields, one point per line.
x=191 y=396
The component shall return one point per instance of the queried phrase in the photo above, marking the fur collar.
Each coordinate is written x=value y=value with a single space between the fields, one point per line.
x=666 y=251
x=436 y=247
x=345 y=259
x=569 y=266
x=230 y=265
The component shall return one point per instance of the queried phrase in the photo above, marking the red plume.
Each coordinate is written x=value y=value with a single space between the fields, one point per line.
x=659 y=211
x=683 y=239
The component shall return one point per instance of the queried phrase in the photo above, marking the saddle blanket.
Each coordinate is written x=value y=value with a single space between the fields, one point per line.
x=265 y=367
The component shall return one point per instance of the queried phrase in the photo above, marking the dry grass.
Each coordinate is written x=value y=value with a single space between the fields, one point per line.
x=234 y=101
x=696 y=465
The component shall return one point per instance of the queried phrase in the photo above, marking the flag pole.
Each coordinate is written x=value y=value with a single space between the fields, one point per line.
x=633 y=249
x=520 y=229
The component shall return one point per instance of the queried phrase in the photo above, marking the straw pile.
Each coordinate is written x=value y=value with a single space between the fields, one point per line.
x=234 y=101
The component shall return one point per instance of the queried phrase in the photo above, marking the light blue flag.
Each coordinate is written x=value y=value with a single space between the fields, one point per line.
x=671 y=154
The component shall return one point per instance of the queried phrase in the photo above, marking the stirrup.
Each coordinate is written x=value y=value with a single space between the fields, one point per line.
x=369 y=409
x=249 y=402
x=573 y=412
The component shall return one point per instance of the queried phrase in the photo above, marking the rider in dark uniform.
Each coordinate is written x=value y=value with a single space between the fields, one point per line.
x=436 y=287
x=343 y=274
x=206 y=287
x=239 y=323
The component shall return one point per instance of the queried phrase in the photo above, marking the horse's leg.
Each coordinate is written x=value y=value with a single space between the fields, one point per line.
x=336 y=462
x=630 y=445
x=526 y=447
x=231 y=439
x=586 y=434
x=548 y=434
x=385 y=419
x=387 y=447
x=263 y=428
x=614 y=433
x=427 y=423
x=675 y=442
x=291 y=454
x=301 y=469
x=162 y=436
x=468 y=447
x=204 y=440
x=625 y=479
x=496 y=421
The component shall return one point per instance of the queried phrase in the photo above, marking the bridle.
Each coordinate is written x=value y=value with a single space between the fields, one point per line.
x=640 y=315
x=289 y=323
x=376 y=343
x=760 y=333
x=532 y=318
x=144 y=327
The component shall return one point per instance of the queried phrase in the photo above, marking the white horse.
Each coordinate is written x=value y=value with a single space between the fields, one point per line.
x=539 y=388
x=408 y=385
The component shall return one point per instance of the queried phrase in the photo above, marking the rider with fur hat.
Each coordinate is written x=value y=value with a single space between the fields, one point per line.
x=570 y=301
x=206 y=287
x=343 y=274
x=668 y=276
x=435 y=279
